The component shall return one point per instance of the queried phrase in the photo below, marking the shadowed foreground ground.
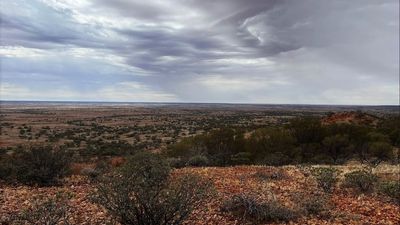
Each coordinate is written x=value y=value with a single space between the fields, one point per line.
x=347 y=206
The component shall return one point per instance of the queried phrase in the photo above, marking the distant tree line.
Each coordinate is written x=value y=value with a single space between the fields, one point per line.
x=303 y=140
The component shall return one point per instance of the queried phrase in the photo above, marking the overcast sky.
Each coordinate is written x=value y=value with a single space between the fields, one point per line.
x=235 y=51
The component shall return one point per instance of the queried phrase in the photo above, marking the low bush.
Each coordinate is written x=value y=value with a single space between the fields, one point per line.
x=47 y=211
x=248 y=207
x=5 y=168
x=91 y=173
x=361 y=180
x=100 y=168
x=326 y=177
x=143 y=192
x=276 y=159
x=3 y=151
x=391 y=189
x=41 y=166
x=198 y=160
x=241 y=158
x=313 y=203
x=175 y=162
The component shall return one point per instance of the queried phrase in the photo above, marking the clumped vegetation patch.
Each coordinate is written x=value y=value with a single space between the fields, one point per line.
x=5 y=168
x=43 y=166
x=360 y=180
x=313 y=204
x=47 y=211
x=143 y=192
x=391 y=189
x=302 y=140
x=93 y=174
x=326 y=177
x=248 y=207
x=198 y=160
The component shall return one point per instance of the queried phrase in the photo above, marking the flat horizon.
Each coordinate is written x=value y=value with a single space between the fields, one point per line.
x=211 y=103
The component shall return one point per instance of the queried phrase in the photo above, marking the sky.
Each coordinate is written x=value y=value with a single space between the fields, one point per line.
x=228 y=51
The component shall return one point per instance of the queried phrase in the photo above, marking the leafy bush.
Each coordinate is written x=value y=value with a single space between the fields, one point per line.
x=391 y=127
x=175 y=162
x=46 y=211
x=101 y=167
x=5 y=168
x=42 y=166
x=276 y=159
x=379 y=151
x=391 y=189
x=273 y=146
x=313 y=203
x=303 y=140
x=361 y=180
x=198 y=160
x=249 y=207
x=338 y=147
x=3 y=151
x=326 y=177
x=91 y=173
x=241 y=158
x=143 y=192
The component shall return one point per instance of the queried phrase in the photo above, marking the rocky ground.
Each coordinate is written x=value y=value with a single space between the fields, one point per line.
x=347 y=207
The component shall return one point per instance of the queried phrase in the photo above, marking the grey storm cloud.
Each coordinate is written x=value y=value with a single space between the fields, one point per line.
x=257 y=51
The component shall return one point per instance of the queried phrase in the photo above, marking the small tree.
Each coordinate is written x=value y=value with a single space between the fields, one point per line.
x=142 y=192
x=379 y=151
x=338 y=147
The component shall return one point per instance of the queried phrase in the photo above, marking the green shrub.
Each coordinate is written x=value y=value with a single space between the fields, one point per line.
x=143 y=192
x=249 y=207
x=276 y=159
x=198 y=160
x=313 y=203
x=391 y=189
x=338 y=147
x=241 y=158
x=91 y=173
x=273 y=146
x=101 y=167
x=5 y=168
x=3 y=151
x=379 y=151
x=361 y=180
x=175 y=162
x=47 y=211
x=326 y=177
x=42 y=166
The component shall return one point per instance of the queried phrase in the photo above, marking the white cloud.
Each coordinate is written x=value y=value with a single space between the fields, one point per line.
x=133 y=92
x=21 y=52
x=223 y=83
x=310 y=51
x=10 y=91
x=124 y=91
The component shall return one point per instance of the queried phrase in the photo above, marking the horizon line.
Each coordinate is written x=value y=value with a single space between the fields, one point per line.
x=226 y=103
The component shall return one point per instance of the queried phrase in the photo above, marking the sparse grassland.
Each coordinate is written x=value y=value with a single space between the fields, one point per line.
x=200 y=165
